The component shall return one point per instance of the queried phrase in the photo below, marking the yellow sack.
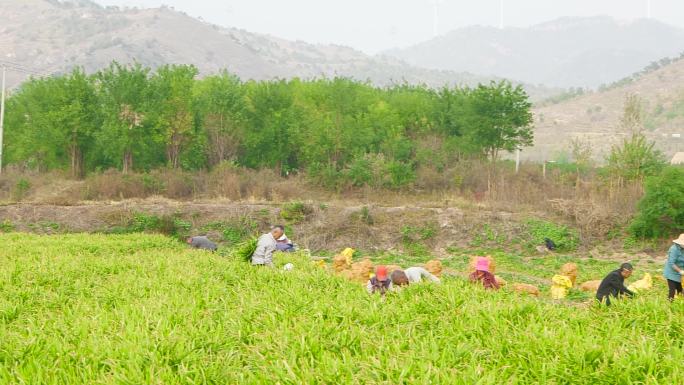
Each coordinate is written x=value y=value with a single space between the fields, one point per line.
x=561 y=284
x=644 y=283
x=348 y=253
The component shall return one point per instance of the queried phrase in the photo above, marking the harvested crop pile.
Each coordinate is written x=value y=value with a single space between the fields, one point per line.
x=360 y=271
x=492 y=263
x=590 y=285
x=570 y=270
x=500 y=281
x=525 y=288
x=434 y=267
x=343 y=261
x=391 y=268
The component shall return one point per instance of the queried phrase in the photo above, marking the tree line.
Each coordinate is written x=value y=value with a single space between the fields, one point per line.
x=135 y=119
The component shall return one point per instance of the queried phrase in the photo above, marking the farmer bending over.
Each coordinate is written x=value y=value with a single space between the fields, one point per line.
x=201 y=242
x=483 y=275
x=674 y=267
x=266 y=246
x=380 y=283
x=416 y=274
x=614 y=284
x=399 y=278
x=284 y=244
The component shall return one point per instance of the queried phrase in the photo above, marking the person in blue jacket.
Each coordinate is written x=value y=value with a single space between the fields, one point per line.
x=674 y=267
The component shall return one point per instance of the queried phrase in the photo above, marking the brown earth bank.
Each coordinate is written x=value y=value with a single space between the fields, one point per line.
x=322 y=227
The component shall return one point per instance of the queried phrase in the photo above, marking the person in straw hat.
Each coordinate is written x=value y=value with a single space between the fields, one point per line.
x=483 y=275
x=674 y=268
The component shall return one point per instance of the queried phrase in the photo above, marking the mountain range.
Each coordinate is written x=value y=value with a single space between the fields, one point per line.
x=568 y=52
x=52 y=36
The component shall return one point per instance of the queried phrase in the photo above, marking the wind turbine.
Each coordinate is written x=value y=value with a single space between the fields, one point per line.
x=648 y=9
x=435 y=16
x=501 y=14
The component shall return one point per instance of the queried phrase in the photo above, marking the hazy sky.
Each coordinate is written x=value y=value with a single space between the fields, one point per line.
x=375 y=25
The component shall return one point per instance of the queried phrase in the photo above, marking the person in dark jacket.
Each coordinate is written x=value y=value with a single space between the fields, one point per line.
x=201 y=242
x=380 y=283
x=613 y=286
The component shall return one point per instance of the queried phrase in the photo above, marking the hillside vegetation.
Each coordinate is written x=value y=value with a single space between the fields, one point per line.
x=141 y=309
x=339 y=131
x=594 y=117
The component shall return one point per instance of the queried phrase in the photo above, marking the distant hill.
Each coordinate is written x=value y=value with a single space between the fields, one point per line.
x=54 y=36
x=595 y=116
x=568 y=52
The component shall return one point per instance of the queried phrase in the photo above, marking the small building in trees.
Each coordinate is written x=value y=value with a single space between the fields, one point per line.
x=678 y=158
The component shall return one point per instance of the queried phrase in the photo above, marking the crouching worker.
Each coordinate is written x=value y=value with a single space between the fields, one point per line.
x=266 y=246
x=399 y=279
x=380 y=283
x=416 y=274
x=201 y=242
x=284 y=244
x=483 y=275
x=613 y=286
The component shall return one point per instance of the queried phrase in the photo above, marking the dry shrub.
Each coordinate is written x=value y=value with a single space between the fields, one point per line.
x=174 y=184
x=492 y=263
x=434 y=267
x=570 y=270
x=526 y=288
x=590 y=286
x=224 y=182
x=112 y=184
x=592 y=218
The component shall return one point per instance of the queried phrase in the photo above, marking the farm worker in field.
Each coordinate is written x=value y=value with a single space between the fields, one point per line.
x=483 y=275
x=284 y=244
x=674 y=267
x=417 y=273
x=380 y=283
x=201 y=242
x=266 y=246
x=614 y=284
x=399 y=279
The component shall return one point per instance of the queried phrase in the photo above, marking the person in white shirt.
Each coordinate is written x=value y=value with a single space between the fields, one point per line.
x=266 y=246
x=417 y=274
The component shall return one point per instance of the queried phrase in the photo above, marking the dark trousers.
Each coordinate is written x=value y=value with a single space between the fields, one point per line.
x=674 y=288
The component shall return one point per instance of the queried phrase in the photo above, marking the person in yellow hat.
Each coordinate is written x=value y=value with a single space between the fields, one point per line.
x=674 y=268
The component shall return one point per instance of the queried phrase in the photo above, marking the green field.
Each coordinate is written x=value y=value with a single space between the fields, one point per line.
x=142 y=309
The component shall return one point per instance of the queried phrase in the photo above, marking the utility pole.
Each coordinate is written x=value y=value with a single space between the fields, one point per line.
x=517 y=161
x=2 y=113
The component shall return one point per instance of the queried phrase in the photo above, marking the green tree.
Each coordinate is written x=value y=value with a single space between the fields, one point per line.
x=172 y=111
x=221 y=103
x=126 y=132
x=500 y=118
x=635 y=157
x=54 y=119
x=661 y=210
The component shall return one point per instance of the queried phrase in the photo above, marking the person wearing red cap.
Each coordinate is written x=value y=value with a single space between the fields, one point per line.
x=483 y=275
x=380 y=283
